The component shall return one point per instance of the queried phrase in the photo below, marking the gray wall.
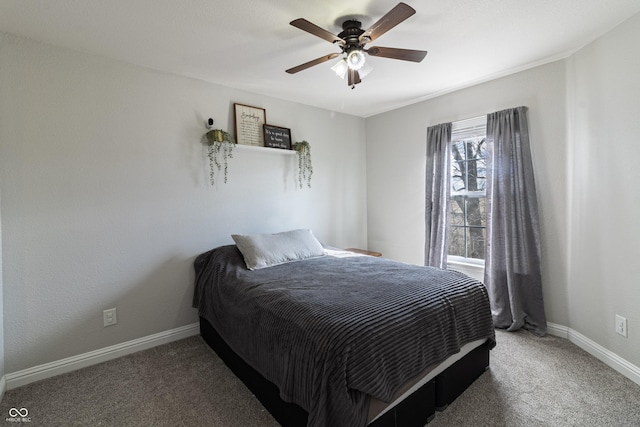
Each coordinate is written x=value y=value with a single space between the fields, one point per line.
x=603 y=133
x=396 y=167
x=2 y=372
x=583 y=115
x=106 y=199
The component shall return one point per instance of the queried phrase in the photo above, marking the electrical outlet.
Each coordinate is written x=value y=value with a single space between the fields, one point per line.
x=109 y=317
x=621 y=325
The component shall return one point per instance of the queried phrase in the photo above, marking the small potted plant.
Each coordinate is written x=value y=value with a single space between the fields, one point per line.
x=305 y=169
x=220 y=149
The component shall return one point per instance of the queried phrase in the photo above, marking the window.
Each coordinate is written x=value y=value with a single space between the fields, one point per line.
x=467 y=207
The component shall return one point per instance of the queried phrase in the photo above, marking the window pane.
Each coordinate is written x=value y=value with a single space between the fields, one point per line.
x=472 y=175
x=482 y=146
x=457 y=183
x=476 y=214
x=458 y=150
x=482 y=167
x=456 y=210
x=471 y=147
x=457 y=177
x=482 y=183
x=467 y=211
x=456 y=241
x=475 y=242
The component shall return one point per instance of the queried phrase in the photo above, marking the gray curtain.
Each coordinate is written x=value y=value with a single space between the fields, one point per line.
x=437 y=195
x=512 y=266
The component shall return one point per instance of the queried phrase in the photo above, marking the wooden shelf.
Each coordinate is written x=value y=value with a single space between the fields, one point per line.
x=364 y=252
x=263 y=149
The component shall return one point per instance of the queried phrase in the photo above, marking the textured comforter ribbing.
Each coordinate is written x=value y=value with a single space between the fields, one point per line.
x=331 y=332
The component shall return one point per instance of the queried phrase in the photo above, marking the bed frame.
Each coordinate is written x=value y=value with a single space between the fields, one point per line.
x=416 y=410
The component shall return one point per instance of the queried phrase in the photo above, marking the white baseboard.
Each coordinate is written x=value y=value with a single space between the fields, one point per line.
x=611 y=359
x=557 y=330
x=48 y=370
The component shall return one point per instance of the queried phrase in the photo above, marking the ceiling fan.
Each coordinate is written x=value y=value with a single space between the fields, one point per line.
x=352 y=41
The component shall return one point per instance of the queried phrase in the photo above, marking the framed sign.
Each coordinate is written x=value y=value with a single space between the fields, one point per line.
x=277 y=137
x=249 y=122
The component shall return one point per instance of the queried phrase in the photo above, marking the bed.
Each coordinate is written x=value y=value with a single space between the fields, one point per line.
x=331 y=338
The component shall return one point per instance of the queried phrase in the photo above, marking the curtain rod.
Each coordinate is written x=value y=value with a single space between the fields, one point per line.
x=483 y=116
x=469 y=119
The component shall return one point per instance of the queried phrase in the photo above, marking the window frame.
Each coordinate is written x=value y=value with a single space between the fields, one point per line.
x=463 y=130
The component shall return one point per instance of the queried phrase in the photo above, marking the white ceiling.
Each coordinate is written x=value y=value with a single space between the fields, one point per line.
x=248 y=44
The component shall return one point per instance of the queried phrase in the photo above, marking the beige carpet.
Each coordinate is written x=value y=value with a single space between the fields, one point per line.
x=532 y=382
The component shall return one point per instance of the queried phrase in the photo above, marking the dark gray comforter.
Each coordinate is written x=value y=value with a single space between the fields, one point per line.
x=331 y=332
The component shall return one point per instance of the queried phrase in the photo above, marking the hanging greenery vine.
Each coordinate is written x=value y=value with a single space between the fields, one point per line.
x=220 y=147
x=305 y=170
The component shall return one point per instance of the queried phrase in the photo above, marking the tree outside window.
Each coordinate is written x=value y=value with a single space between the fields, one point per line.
x=467 y=208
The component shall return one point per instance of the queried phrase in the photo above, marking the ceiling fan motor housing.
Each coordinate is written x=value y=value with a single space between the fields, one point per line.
x=351 y=31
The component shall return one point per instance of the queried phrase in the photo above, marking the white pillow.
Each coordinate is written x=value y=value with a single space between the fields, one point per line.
x=266 y=250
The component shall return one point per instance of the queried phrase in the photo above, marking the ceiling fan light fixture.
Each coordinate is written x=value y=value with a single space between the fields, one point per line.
x=340 y=68
x=355 y=59
x=365 y=70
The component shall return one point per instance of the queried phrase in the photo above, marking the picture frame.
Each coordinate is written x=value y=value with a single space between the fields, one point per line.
x=249 y=122
x=277 y=137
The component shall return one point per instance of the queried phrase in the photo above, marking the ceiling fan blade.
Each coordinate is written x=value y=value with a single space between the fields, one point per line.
x=395 y=16
x=312 y=63
x=354 y=78
x=311 y=28
x=394 y=53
